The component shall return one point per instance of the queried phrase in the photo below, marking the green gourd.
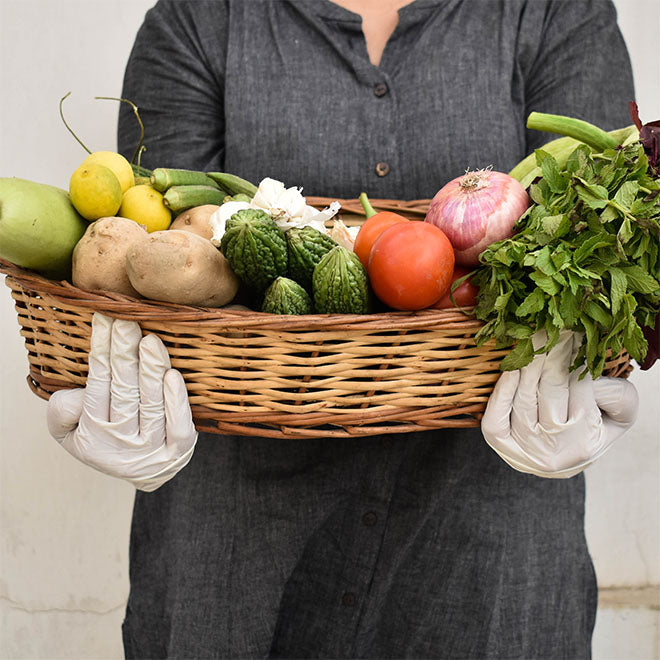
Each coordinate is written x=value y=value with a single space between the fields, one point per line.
x=306 y=246
x=255 y=248
x=284 y=296
x=340 y=283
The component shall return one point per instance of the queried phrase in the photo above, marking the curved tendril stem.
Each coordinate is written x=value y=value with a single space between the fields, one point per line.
x=139 y=148
x=69 y=127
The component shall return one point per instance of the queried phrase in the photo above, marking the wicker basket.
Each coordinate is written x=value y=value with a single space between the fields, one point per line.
x=249 y=373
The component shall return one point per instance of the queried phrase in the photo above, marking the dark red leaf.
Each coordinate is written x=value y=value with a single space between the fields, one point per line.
x=653 y=338
x=649 y=135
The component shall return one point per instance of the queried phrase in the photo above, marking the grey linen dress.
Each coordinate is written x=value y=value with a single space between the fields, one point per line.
x=420 y=545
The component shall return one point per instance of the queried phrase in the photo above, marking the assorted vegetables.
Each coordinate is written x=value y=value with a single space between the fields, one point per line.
x=584 y=258
x=567 y=240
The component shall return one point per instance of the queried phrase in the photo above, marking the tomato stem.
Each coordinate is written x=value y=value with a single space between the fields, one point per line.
x=366 y=205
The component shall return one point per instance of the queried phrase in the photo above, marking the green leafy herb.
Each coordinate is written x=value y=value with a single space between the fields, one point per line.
x=585 y=258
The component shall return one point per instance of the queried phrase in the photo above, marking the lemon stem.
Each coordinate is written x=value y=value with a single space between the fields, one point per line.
x=138 y=149
x=69 y=127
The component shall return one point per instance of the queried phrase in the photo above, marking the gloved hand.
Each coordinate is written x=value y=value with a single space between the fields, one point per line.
x=133 y=419
x=544 y=421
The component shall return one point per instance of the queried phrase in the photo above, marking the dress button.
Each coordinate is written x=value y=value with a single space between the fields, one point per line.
x=380 y=89
x=348 y=599
x=369 y=519
x=382 y=168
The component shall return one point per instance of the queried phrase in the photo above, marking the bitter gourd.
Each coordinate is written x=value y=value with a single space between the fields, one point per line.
x=255 y=247
x=306 y=246
x=340 y=284
x=285 y=296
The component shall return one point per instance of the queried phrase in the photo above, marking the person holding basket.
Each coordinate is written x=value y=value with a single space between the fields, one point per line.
x=417 y=545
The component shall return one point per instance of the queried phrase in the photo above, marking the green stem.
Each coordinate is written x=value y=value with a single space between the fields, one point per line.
x=138 y=149
x=366 y=205
x=576 y=128
x=69 y=127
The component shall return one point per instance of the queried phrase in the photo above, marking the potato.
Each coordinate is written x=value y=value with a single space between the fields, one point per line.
x=181 y=267
x=196 y=220
x=99 y=258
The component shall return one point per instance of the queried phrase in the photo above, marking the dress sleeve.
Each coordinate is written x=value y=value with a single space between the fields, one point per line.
x=175 y=75
x=579 y=65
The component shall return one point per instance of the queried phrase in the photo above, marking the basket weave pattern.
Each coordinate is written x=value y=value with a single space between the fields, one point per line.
x=259 y=374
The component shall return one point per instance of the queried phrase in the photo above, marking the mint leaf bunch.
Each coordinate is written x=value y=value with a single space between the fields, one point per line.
x=585 y=257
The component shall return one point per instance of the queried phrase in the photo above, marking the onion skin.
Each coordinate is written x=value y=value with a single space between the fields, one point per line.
x=477 y=209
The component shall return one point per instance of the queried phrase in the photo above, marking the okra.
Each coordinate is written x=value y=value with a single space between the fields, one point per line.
x=561 y=148
x=163 y=178
x=233 y=184
x=180 y=198
x=138 y=170
x=583 y=131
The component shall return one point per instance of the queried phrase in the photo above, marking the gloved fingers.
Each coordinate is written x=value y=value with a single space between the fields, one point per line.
x=617 y=398
x=63 y=412
x=553 y=383
x=581 y=399
x=181 y=432
x=525 y=410
x=496 y=422
x=526 y=467
x=124 y=387
x=151 y=483
x=97 y=389
x=154 y=363
x=577 y=342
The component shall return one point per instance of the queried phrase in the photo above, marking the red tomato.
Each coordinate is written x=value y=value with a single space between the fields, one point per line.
x=370 y=230
x=410 y=265
x=465 y=294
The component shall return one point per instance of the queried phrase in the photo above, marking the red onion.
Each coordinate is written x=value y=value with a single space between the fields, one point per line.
x=477 y=209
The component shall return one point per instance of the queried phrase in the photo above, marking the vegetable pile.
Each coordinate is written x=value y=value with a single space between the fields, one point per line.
x=584 y=258
x=567 y=240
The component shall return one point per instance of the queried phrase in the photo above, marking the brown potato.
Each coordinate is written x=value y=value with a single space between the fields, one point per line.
x=99 y=258
x=181 y=267
x=196 y=220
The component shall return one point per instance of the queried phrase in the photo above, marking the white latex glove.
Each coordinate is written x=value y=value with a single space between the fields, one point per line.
x=544 y=421
x=133 y=419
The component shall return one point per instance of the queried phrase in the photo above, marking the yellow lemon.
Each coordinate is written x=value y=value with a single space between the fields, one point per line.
x=145 y=205
x=95 y=191
x=115 y=162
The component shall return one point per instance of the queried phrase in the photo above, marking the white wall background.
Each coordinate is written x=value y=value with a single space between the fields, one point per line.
x=63 y=527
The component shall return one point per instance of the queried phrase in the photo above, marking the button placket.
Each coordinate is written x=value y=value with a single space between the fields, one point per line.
x=383 y=124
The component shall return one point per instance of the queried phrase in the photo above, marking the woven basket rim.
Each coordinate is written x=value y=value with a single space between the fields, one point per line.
x=126 y=307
